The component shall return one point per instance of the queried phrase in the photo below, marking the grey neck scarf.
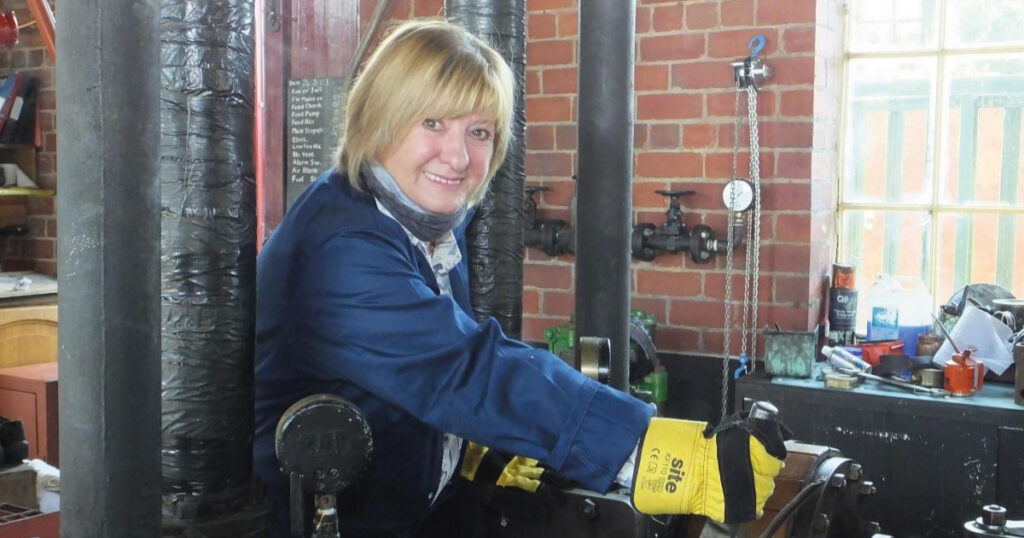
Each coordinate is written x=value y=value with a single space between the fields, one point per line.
x=425 y=225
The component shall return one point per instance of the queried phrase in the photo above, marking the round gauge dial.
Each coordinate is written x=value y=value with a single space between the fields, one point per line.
x=738 y=195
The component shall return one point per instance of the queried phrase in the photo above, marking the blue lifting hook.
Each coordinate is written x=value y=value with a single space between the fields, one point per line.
x=755 y=50
x=742 y=369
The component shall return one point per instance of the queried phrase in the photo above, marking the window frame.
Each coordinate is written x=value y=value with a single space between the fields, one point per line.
x=935 y=208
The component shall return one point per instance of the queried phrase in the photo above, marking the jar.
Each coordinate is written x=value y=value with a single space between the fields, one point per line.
x=928 y=344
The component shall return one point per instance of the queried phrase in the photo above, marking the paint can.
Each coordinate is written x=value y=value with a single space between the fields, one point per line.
x=842 y=305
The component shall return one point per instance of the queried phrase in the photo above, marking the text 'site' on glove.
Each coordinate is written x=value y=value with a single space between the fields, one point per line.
x=726 y=474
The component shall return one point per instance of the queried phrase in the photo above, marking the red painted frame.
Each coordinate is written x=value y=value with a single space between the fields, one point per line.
x=314 y=38
x=43 y=16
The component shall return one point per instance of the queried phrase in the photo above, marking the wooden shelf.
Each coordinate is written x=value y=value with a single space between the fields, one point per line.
x=23 y=155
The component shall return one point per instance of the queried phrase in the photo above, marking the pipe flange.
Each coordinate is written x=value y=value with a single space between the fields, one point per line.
x=594 y=357
x=701 y=237
x=640 y=241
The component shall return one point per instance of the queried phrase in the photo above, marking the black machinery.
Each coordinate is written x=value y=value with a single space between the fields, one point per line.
x=819 y=494
x=323 y=445
x=993 y=524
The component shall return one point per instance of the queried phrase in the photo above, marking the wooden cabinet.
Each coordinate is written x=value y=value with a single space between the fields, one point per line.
x=17 y=521
x=29 y=394
x=28 y=335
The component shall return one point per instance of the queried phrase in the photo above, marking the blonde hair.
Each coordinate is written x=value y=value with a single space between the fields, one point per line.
x=424 y=69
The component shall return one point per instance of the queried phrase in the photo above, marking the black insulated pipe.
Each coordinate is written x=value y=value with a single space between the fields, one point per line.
x=208 y=265
x=107 y=262
x=605 y=134
x=495 y=236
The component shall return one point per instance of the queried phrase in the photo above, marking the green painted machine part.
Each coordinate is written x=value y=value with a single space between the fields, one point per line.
x=656 y=383
x=646 y=319
x=561 y=341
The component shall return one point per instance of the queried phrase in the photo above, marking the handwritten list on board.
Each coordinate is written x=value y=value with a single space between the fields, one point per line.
x=312 y=131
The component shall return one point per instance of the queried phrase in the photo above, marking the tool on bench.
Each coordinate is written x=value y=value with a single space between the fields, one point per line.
x=842 y=365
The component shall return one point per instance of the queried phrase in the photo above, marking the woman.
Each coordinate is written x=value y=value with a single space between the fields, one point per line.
x=363 y=292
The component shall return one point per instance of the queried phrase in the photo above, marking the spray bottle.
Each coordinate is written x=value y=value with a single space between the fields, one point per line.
x=841 y=359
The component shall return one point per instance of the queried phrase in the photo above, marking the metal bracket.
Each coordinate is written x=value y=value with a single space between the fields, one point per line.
x=750 y=72
x=273 y=15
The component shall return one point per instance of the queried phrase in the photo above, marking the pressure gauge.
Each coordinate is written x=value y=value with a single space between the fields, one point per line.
x=738 y=195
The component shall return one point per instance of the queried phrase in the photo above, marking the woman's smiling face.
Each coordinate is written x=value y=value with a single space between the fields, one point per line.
x=441 y=163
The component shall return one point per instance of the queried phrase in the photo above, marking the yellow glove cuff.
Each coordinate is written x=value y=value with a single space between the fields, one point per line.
x=765 y=468
x=471 y=460
x=670 y=466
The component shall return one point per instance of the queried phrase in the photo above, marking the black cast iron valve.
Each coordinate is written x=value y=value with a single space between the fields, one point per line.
x=553 y=236
x=648 y=240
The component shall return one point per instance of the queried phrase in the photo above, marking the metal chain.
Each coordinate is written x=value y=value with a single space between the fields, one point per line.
x=749 y=232
x=752 y=231
x=731 y=238
x=754 y=247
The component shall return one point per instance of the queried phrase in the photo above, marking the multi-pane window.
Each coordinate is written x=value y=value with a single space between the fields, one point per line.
x=932 y=183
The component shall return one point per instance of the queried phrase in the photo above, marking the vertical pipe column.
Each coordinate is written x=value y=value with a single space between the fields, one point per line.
x=604 y=212
x=495 y=236
x=108 y=265
x=208 y=262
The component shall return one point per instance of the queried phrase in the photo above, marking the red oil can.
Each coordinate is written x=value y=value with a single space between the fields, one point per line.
x=964 y=375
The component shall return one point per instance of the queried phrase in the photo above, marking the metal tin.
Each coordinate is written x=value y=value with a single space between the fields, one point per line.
x=932 y=377
x=844 y=276
x=790 y=353
x=837 y=380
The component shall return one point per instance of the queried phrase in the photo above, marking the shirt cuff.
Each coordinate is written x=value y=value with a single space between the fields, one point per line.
x=625 y=476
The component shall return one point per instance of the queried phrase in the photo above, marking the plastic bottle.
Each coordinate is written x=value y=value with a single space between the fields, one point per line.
x=899 y=309
x=915 y=307
x=884 y=309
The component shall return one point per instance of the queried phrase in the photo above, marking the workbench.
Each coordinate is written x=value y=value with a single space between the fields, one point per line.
x=936 y=461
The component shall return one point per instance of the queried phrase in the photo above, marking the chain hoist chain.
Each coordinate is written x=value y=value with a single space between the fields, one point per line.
x=754 y=248
x=752 y=231
x=749 y=236
x=731 y=238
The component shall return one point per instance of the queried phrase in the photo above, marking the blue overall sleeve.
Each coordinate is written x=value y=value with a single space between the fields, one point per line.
x=365 y=314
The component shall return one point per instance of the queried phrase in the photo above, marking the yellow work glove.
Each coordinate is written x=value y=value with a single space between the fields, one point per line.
x=503 y=479
x=725 y=473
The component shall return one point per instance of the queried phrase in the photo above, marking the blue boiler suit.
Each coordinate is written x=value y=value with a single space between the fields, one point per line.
x=347 y=305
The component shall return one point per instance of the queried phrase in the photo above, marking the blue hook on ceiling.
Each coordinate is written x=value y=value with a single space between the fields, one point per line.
x=759 y=39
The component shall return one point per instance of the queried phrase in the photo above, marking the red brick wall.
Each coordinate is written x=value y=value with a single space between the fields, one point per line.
x=37 y=251
x=683 y=140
